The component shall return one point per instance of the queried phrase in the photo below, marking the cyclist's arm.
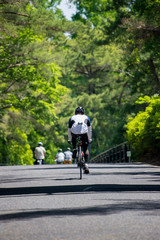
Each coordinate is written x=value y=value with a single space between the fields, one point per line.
x=69 y=130
x=90 y=133
x=69 y=135
x=89 y=129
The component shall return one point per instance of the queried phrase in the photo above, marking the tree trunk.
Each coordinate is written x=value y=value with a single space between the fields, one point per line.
x=153 y=70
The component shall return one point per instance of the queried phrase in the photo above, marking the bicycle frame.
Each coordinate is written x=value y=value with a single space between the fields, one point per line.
x=80 y=155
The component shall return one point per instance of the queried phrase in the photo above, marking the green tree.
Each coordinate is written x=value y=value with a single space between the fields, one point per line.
x=98 y=81
x=29 y=76
x=135 y=25
x=143 y=131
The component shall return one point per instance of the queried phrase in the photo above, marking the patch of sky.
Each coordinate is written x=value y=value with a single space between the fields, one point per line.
x=67 y=8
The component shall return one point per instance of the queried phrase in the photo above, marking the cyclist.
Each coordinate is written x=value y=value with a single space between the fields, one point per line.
x=80 y=124
x=68 y=156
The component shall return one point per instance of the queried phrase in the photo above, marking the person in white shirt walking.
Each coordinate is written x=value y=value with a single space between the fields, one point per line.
x=39 y=154
x=68 y=156
x=60 y=157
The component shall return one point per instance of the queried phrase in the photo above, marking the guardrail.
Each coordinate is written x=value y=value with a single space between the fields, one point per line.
x=118 y=154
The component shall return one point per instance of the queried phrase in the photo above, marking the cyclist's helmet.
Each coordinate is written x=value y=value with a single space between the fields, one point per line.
x=60 y=150
x=40 y=143
x=79 y=110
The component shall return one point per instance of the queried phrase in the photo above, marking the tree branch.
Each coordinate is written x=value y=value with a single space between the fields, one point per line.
x=6 y=90
x=10 y=2
x=7 y=106
x=103 y=85
x=20 y=14
x=153 y=70
x=149 y=29
x=16 y=65
x=121 y=94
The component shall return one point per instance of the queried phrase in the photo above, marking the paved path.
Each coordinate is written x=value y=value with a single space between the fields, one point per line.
x=49 y=202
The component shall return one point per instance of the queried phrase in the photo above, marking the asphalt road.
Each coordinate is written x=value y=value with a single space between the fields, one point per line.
x=50 y=202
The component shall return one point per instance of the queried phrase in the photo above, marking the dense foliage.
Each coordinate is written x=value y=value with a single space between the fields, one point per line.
x=104 y=59
x=144 y=130
x=30 y=85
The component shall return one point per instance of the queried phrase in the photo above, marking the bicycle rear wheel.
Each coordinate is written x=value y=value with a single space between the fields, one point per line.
x=80 y=161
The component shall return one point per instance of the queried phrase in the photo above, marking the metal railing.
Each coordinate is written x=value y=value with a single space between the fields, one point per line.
x=118 y=154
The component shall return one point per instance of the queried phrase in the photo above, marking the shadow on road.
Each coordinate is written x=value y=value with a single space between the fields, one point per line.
x=79 y=188
x=106 y=209
x=127 y=173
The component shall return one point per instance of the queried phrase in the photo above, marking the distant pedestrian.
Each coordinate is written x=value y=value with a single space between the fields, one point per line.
x=60 y=157
x=68 y=156
x=39 y=154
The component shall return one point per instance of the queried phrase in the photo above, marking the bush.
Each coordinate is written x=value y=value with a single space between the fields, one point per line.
x=19 y=154
x=144 y=129
x=16 y=151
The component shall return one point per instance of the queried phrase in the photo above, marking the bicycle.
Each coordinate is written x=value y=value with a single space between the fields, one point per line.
x=79 y=155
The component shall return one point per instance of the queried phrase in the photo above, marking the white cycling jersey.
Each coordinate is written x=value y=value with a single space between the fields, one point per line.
x=79 y=124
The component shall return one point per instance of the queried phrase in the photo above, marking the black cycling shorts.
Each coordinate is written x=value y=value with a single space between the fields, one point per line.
x=84 y=138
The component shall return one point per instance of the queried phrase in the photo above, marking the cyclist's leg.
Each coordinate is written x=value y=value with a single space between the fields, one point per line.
x=86 y=152
x=84 y=138
x=74 y=137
